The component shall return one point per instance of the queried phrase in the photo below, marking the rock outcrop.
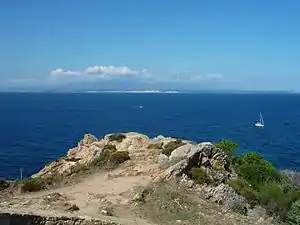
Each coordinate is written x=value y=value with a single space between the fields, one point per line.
x=89 y=148
x=188 y=156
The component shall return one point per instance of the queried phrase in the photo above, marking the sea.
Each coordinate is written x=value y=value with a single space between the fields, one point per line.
x=37 y=128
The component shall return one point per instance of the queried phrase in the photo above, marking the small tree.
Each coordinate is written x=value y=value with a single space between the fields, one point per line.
x=228 y=146
x=293 y=215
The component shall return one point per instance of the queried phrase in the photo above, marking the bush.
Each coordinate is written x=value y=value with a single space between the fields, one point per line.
x=229 y=147
x=200 y=176
x=154 y=146
x=293 y=215
x=171 y=146
x=4 y=185
x=110 y=158
x=243 y=188
x=119 y=157
x=33 y=184
x=117 y=137
x=256 y=170
x=276 y=198
x=109 y=147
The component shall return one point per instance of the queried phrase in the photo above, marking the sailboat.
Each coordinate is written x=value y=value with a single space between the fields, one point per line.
x=261 y=121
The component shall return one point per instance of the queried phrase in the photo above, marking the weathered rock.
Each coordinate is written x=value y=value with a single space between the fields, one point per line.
x=163 y=159
x=186 y=181
x=219 y=161
x=173 y=171
x=88 y=139
x=184 y=152
x=293 y=176
x=225 y=195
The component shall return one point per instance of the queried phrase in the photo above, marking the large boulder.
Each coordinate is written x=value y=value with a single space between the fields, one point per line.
x=204 y=155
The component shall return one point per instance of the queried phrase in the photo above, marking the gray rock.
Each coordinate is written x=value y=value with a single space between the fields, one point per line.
x=208 y=149
x=184 y=152
x=293 y=176
x=224 y=195
x=172 y=171
x=88 y=139
x=163 y=159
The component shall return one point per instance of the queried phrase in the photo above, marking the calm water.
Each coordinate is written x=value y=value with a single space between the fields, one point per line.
x=38 y=128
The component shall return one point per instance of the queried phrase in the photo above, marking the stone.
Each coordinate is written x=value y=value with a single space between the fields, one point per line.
x=184 y=152
x=88 y=139
x=224 y=195
x=163 y=159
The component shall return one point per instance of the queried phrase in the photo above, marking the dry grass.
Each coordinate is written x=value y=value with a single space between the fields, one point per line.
x=169 y=203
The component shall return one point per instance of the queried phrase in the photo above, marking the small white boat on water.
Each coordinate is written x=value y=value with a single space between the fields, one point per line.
x=260 y=123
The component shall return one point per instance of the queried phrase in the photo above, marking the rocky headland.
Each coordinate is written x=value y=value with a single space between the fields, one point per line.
x=129 y=178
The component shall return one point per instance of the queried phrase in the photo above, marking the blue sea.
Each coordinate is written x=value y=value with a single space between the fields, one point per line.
x=37 y=128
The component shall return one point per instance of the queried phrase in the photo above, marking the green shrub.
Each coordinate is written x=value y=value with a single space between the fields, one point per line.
x=109 y=158
x=229 y=147
x=256 y=170
x=171 y=146
x=154 y=146
x=276 y=198
x=243 y=188
x=109 y=147
x=117 y=137
x=293 y=215
x=33 y=184
x=200 y=176
x=4 y=185
x=119 y=157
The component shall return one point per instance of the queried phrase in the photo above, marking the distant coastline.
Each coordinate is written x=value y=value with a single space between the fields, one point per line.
x=150 y=91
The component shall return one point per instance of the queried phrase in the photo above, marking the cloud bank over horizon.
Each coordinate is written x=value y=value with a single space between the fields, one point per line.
x=120 y=77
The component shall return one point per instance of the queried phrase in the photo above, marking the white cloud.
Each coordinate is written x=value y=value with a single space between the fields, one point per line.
x=64 y=72
x=112 y=70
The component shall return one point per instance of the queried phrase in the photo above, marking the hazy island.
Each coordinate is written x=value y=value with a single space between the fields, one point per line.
x=130 y=179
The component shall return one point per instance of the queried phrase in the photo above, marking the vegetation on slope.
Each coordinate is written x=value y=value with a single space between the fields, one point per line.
x=260 y=183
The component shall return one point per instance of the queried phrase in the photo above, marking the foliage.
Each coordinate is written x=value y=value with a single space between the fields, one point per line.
x=154 y=146
x=171 y=146
x=110 y=158
x=109 y=147
x=118 y=137
x=243 y=188
x=4 y=185
x=200 y=176
x=33 y=184
x=293 y=216
x=229 y=147
x=119 y=157
x=276 y=198
x=256 y=170
x=260 y=183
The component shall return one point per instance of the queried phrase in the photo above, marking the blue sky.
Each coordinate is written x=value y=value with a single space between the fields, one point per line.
x=218 y=44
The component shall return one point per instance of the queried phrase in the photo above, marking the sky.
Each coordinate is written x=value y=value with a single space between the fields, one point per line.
x=150 y=44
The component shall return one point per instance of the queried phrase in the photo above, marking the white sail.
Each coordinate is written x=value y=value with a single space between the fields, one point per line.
x=261 y=121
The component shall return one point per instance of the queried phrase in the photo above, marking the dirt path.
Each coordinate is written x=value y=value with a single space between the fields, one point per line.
x=111 y=190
